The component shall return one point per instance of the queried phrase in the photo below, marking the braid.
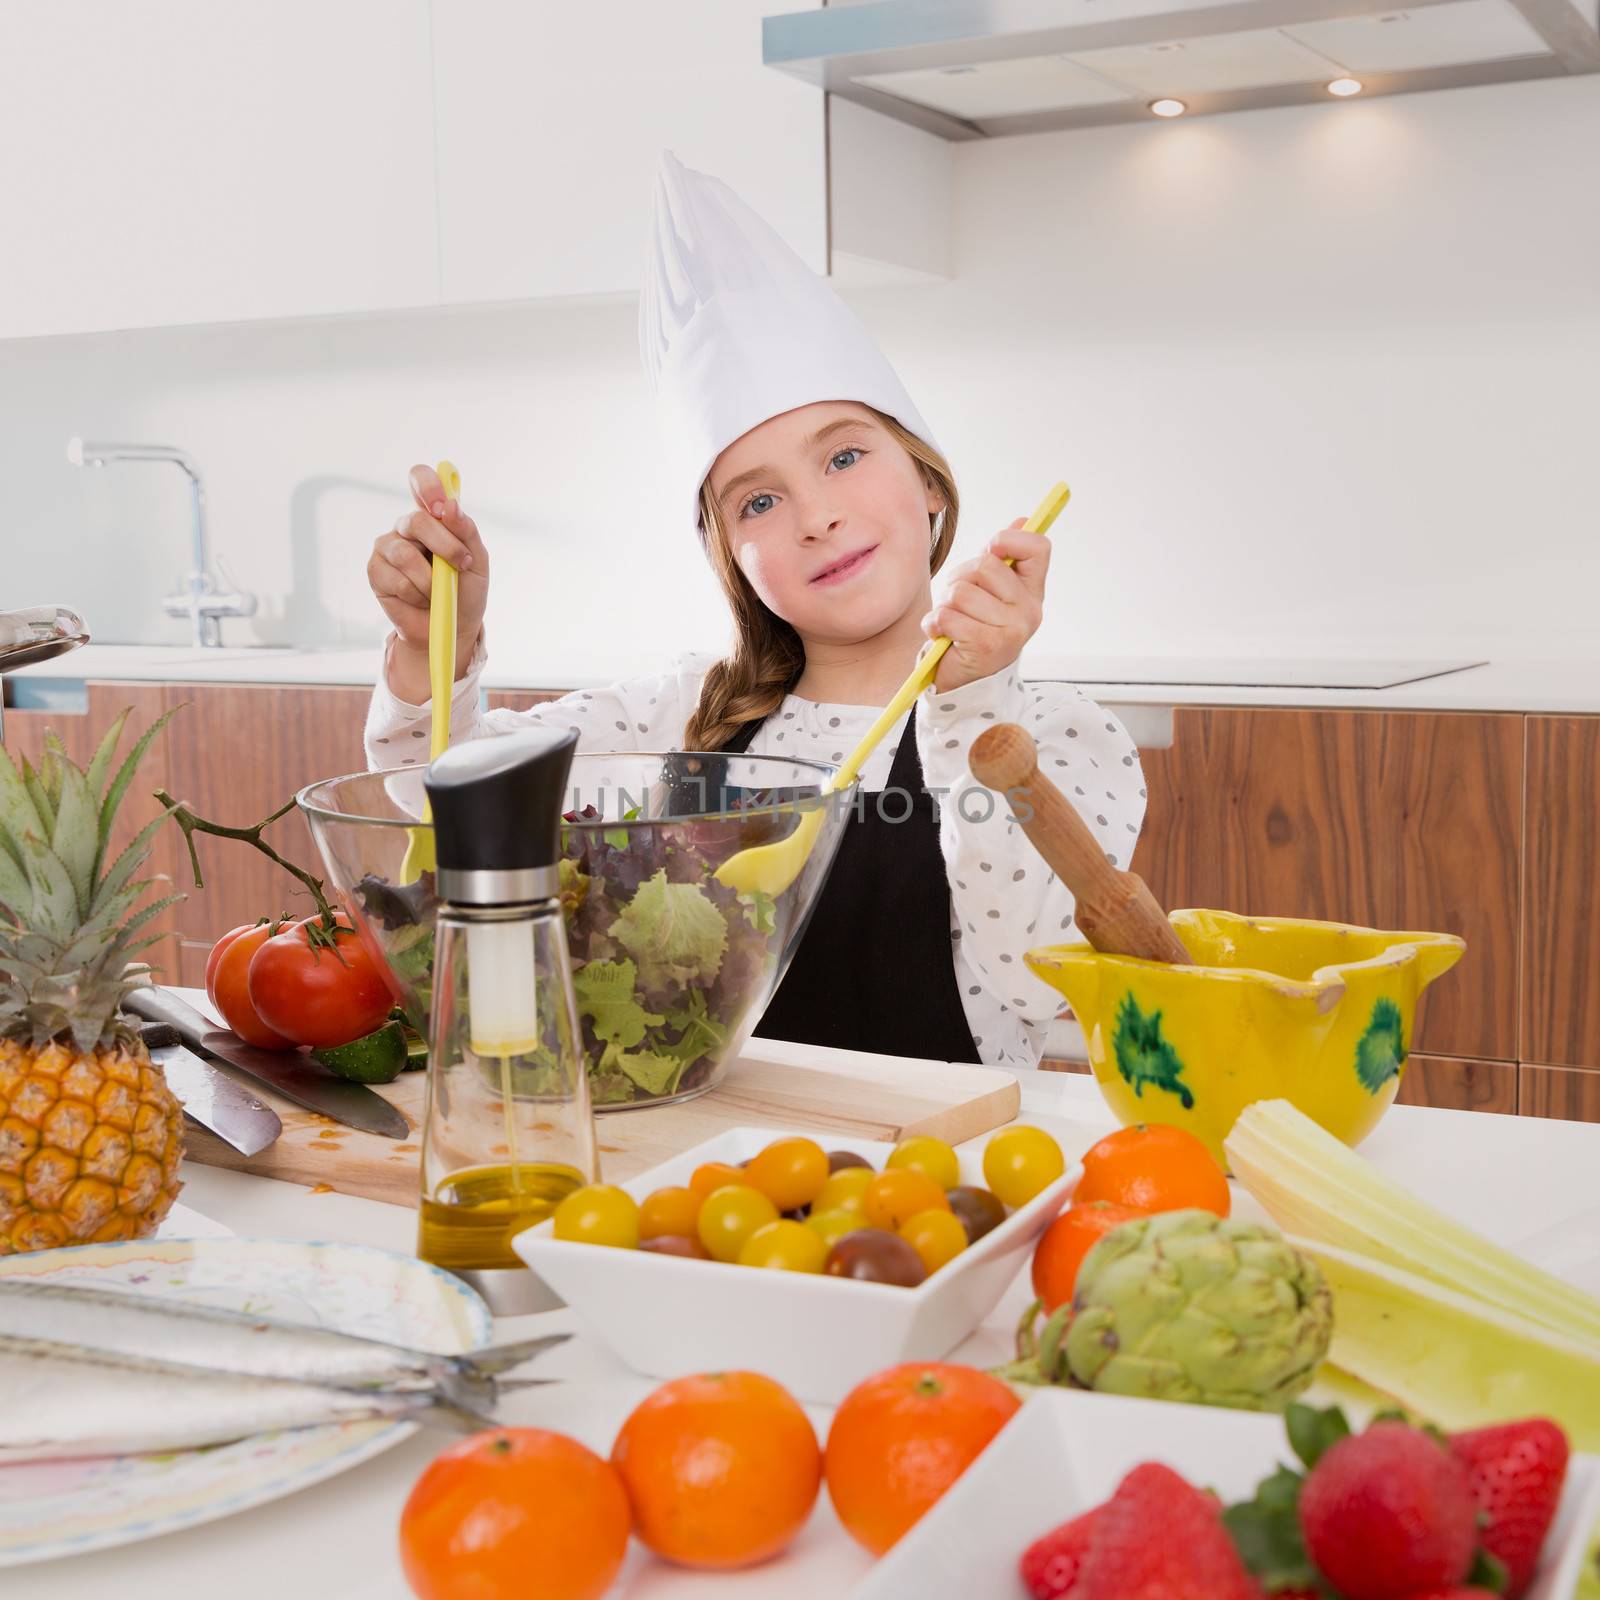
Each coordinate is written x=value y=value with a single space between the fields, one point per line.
x=768 y=657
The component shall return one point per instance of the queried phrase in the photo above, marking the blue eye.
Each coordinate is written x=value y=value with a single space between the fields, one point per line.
x=757 y=505
x=840 y=455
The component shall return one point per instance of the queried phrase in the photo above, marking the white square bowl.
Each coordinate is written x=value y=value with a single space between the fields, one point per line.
x=1066 y=1451
x=665 y=1316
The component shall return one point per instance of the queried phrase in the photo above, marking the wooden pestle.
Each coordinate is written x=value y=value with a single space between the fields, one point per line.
x=1116 y=912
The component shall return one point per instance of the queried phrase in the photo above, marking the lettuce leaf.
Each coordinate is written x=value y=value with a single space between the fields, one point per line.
x=605 y=996
x=674 y=932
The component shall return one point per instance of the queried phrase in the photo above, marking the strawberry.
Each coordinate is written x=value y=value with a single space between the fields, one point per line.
x=1050 y=1565
x=1389 y=1513
x=1516 y=1472
x=1158 y=1538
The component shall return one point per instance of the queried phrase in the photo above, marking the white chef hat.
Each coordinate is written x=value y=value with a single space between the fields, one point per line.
x=735 y=328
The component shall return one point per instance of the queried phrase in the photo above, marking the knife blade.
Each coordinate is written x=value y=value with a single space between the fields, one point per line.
x=285 y=1072
x=217 y=1101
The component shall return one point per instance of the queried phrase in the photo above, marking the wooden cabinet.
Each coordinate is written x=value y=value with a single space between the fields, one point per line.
x=192 y=162
x=1459 y=1085
x=1397 y=820
x=1571 y=1092
x=1561 y=894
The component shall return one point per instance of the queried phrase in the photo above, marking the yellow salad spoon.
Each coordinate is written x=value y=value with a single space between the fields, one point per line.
x=771 y=868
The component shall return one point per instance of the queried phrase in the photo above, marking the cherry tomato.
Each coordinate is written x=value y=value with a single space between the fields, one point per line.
x=832 y=1226
x=320 y=995
x=894 y=1197
x=712 y=1175
x=217 y=952
x=873 y=1256
x=838 y=1160
x=789 y=1172
x=1018 y=1162
x=979 y=1211
x=729 y=1216
x=668 y=1211
x=671 y=1244
x=1065 y=1243
x=843 y=1191
x=599 y=1213
x=936 y=1236
x=230 y=987
x=923 y=1153
x=784 y=1246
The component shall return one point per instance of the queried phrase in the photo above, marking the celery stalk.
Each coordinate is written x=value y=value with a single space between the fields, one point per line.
x=1313 y=1185
x=1458 y=1361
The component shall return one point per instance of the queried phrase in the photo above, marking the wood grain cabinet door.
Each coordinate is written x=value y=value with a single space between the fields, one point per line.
x=1561 y=897
x=1391 y=819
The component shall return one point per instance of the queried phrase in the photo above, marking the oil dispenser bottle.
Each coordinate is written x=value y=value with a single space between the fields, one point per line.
x=507 y=1130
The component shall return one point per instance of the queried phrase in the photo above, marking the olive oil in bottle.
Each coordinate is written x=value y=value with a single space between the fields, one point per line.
x=471 y=1218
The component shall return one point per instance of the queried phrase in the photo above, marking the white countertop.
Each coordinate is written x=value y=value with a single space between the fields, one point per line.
x=1551 y=686
x=336 y=1540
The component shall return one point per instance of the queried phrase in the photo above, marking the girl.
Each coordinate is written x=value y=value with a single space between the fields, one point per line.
x=825 y=509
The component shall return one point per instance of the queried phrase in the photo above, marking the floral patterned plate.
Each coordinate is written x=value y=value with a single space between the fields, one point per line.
x=60 y=1508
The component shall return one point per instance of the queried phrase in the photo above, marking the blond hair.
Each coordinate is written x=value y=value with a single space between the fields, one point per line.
x=768 y=657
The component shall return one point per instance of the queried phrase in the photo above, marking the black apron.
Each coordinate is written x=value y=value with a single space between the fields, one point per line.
x=875 y=969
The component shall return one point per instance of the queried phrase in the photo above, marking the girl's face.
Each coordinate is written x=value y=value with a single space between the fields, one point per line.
x=827 y=516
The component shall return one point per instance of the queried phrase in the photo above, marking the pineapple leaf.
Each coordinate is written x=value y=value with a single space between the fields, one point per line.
x=50 y=769
x=44 y=814
x=92 y=937
x=14 y=891
x=54 y=905
x=133 y=856
x=76 y=838
x=100 y=767
x=154 y=909
x=17 y=816
x=119 y=784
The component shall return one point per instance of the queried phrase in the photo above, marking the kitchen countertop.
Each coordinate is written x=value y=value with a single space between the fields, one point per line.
x=336 y=1540
x=1549 y=686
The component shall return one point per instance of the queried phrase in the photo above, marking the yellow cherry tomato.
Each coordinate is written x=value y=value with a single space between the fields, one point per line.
x=729 y=1216
x=923 y=1153
x=843 y=1191
x=893 y=1198
x=599 y=1213
x=784 y=1246
x=1019 y=1162
x=936 y=1236
x=832 y=1226
x=668 y=1212
x=789 y=1172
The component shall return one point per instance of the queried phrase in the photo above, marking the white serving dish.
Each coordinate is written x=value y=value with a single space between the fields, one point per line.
x=819 y=1337
x=1066 y=1451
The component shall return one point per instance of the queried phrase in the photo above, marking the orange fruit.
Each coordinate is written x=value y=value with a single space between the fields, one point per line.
x=902 y=1437
x=713 y=1175
x=722 y=1469
x=509 y=1502
x=894 y=1197
x=672 y=1211
x=1152 y=1167
x=1067 y=1241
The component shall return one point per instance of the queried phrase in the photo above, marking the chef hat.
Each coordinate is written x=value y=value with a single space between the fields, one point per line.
x=735 y=328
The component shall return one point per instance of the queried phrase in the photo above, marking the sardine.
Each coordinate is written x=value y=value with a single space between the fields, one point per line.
x=65 y=1400
x=166 y=1330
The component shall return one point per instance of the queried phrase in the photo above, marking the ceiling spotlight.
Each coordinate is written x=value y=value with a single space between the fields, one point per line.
x=1345 y=87
x=1168 y=108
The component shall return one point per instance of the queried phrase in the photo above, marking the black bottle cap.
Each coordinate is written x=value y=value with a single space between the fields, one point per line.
x=497 y=807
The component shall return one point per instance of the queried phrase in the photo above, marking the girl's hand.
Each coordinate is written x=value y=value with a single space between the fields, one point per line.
x=400 y=573
x=989 y=610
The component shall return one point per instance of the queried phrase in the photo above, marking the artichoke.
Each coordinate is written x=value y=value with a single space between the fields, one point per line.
x=1186 y=1305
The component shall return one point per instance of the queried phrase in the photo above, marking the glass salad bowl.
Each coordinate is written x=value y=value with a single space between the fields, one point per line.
x=672 y=971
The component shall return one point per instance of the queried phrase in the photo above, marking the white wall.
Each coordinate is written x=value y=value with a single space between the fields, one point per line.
x=1322 y=379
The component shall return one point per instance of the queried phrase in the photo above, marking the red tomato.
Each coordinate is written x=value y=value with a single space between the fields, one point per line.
x=218 y=950
x=228 y=985
x=318 y=994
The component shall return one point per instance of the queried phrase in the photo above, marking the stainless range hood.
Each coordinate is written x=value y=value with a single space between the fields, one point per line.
x=972 y=69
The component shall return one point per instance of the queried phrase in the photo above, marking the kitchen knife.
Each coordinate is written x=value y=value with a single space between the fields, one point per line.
x=217 y=1101
x=285 y=1072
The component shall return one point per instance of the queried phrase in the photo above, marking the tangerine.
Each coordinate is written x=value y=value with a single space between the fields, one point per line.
x=1067 y=1241
x=722 y=1469
x=509 y=1502
x=902 y=1437
x=1153 y=1167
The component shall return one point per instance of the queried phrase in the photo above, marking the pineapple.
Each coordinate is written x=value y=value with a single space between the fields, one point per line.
x=90 y=1134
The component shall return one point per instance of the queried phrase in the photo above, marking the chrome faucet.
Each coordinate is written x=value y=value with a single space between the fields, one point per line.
x=201 y=600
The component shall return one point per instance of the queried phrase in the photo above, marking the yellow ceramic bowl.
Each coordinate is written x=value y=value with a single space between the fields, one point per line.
x=1318 y=1013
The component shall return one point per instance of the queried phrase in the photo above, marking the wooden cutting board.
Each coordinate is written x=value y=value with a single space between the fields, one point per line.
x=774 y=1084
